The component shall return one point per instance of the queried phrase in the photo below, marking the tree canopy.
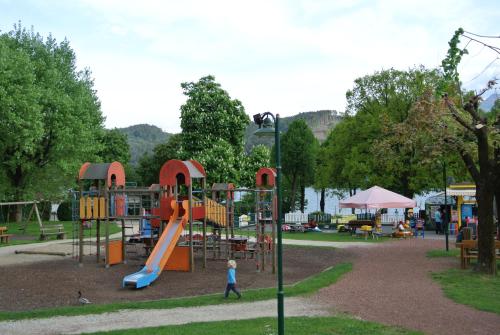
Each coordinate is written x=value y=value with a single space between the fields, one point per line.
x=378 y=141
x=299 y=148
x=150 y=164
x=50 y=115
x=213 y=127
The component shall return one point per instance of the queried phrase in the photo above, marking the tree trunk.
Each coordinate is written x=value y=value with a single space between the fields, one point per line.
x=486 y=228
x=292 y=196
x=19 y=213
x=17 y=182
x=302 y=198
x=322 y=201
x=497 y=202
x=352 y=191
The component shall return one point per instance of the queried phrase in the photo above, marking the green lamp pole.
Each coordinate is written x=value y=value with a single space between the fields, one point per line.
x=445 y=216
x=266 y=129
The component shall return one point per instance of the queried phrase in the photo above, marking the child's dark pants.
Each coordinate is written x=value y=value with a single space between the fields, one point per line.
x=231 y=287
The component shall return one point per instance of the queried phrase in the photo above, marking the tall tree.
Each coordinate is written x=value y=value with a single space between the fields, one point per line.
x=50 y=115
x=258 y=157
x=298 y=151
x=482 y=158
x=382 y=101
x=149 y=166
x=213 y=127
x=114 y=147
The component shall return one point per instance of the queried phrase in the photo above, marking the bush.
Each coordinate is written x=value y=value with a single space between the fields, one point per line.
x=64 y=211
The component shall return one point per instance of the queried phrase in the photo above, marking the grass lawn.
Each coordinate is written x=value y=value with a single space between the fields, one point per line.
x=453 y=252
x=267 y=326
x=306 y=286
x=329 y=237
x=309 y=236
x=32 y=234
x=470 y=288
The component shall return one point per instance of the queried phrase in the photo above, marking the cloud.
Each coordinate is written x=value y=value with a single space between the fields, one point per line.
x=283 y=56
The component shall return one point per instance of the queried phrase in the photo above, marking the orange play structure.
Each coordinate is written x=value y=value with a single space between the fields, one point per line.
x=173 y=222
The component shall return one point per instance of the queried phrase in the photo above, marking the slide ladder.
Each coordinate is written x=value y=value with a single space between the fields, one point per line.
x=162 y=251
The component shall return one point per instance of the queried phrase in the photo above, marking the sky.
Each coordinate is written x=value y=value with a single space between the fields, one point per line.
x=285 y=57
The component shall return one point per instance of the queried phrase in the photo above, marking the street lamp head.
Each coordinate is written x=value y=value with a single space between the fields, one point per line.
x=257 y=119
x=266 y=125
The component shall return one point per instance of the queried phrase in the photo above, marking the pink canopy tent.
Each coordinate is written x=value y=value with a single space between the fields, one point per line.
x=377 y=197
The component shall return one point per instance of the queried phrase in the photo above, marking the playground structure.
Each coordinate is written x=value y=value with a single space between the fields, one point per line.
x=174 y=225
x=97 y=202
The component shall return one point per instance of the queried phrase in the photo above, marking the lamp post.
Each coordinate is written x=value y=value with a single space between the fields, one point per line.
x=266 y=129
x=445 y=214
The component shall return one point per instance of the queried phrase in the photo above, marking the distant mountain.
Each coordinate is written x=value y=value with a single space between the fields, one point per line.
x=487 y=104
x=320 y=122
x=142 y=138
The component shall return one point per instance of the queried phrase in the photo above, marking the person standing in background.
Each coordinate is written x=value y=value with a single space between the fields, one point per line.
x=437 y=221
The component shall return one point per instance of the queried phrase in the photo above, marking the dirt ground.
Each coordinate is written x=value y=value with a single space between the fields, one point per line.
x=56 y=283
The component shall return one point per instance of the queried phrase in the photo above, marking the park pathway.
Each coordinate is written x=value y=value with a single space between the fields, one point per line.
x=392 y=284
x=158 y=317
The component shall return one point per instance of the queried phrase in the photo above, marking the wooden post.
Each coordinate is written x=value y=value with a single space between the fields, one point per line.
x=124 y=261
x=98 y=240
x=190 y=205
x=98 y=225
x=204 y=225
x=107 y=243
x=80 y=244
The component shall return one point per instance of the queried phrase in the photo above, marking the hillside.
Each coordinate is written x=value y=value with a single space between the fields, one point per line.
x=320 y=122
x=487 y=104
x=142 y=138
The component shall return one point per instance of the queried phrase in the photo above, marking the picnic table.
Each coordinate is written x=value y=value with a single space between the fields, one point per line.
x=468 y=251
x=4 y=237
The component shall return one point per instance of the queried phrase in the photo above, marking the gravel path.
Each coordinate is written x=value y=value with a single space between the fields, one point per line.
x=391 y=284
x=152 y=318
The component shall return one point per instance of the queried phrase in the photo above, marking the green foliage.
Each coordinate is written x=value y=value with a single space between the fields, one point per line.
x=453 y=58
x=64 y=212
x=114 y=147
x=258 y=157
x=213 y=127
x=210 y=115
x=142 y=138
x=299 y=148
x=383 y=142
x=50 y=115
x=149 y=166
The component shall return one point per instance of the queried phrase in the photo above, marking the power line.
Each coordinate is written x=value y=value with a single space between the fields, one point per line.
x=480 y=73
x=484 y=36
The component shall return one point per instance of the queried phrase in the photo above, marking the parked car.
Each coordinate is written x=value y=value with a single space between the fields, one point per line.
x=285 y=227
x=297 y=228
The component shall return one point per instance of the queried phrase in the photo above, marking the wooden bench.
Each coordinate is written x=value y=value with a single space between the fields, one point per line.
x=468 y=251
x=57 y=229
x=4 y=238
